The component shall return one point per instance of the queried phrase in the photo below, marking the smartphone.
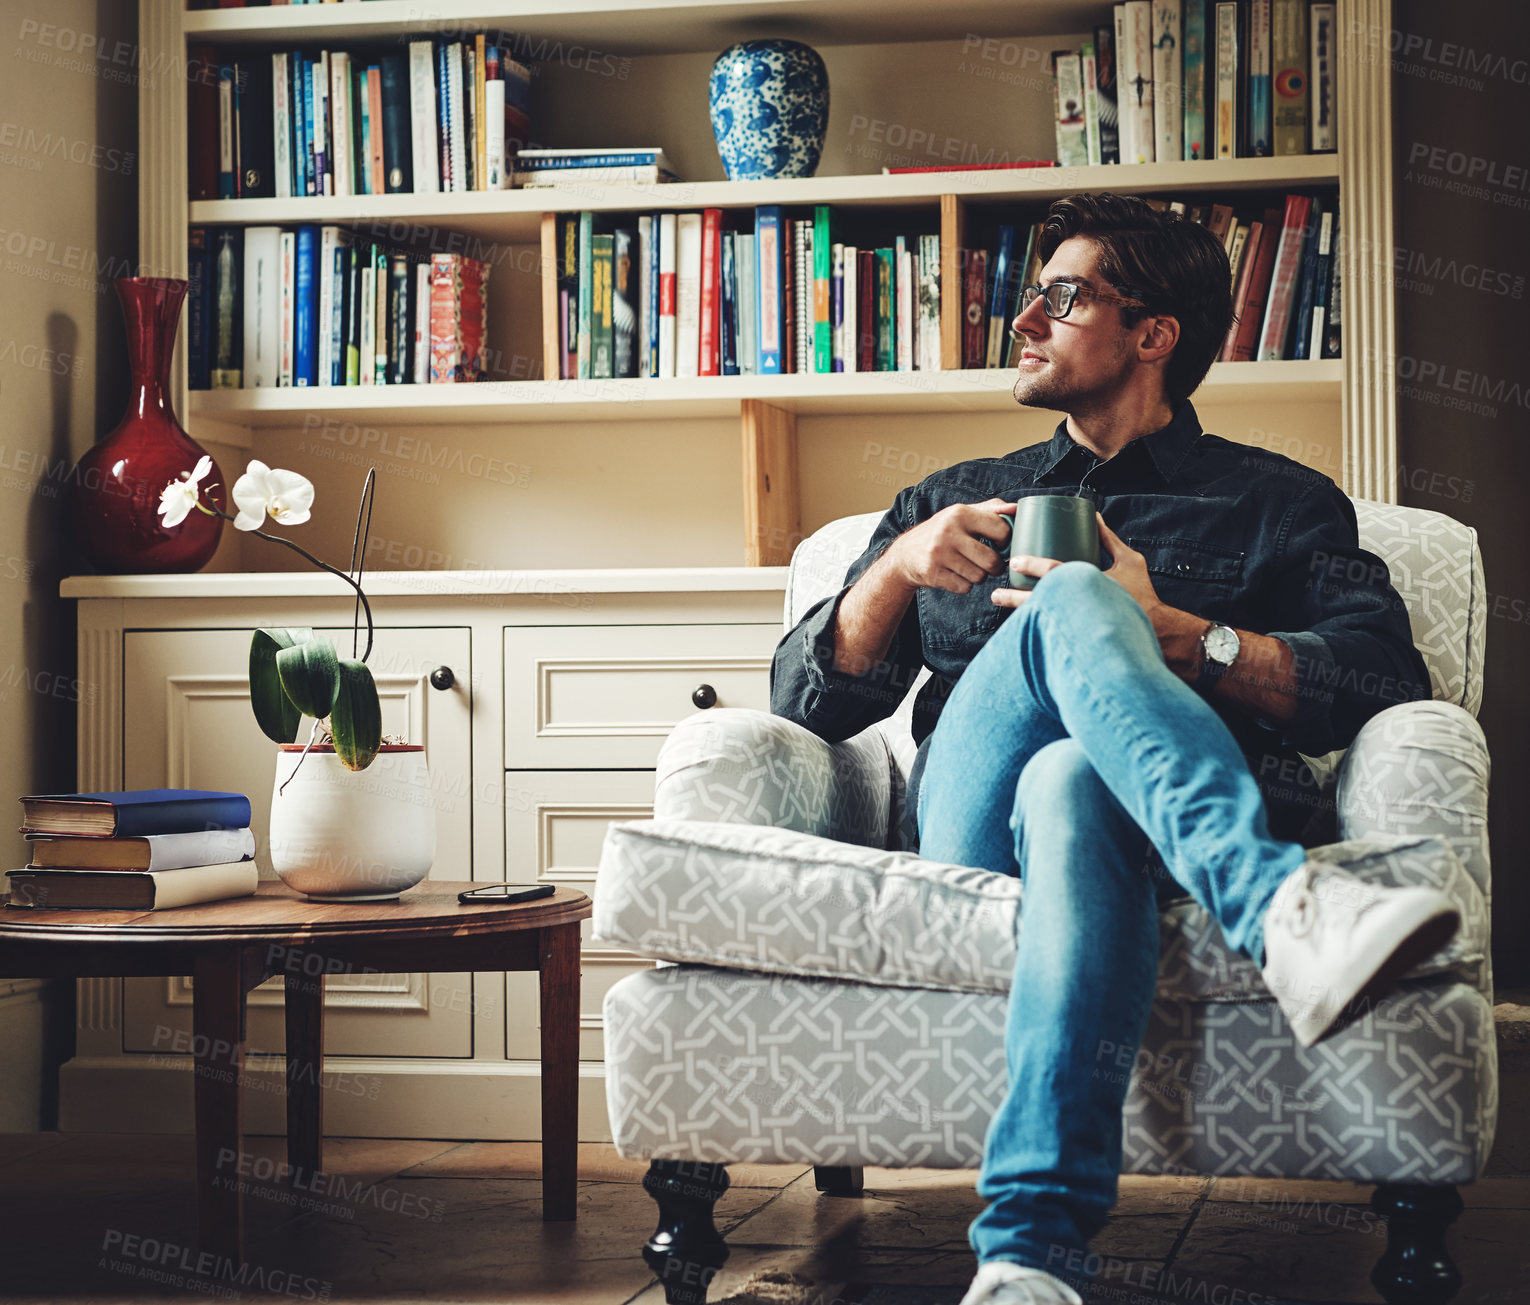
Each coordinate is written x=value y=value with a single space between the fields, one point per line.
x=506 y=893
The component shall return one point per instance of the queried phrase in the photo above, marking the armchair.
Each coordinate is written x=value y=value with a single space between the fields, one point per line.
x=838 y=1001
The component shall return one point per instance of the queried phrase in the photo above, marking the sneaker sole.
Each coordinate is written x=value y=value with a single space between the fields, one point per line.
x=1430 y=935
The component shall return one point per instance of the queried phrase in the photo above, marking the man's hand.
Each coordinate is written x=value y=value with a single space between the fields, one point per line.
x=949 y=550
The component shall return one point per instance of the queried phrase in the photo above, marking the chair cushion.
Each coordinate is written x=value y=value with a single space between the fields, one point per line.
x=746 y=897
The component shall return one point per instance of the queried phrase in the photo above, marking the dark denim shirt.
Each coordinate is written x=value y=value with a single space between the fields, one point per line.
x=1230 y=533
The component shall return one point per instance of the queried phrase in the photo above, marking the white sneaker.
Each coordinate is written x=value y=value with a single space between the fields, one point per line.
x=1331 y=939
x=1003 y=1282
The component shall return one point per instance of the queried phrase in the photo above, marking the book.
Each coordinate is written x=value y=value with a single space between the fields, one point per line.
x=708 y=361
x=602 y=268
x=823 y=274
x=1333 y=325
x=377 y=182
x=397 y=129
x=142 y=890
x=668 y=323
x=584 y=306
x=331 y=273
x=1003 y=275
x=928 y=300
x=1106 y=91
x=1091 y=103
x=227 y=148
x=886 y=275
x=1288 y=83
x=1226 y=80
x=281 y=123
x=262 y=306
x=974 y=280
x=132 y=813
x=1321 y=20
x=343 y=121
x=145 y=852
x=256 y=136
x=458 y=318
x=421 y=305
x=837 y=306
x=305 y=312
x=866 y=311
x=639 y=175
x=1246 y=242
x=1312 y=345
x=530 y=159
x=323 y=149
x=727 y=315
x=1126 y=89
x=748 y=310
x=1068 y=109
x=1136 y=57
x=971 y=167
x=1317 y=234
x=904 y=287
x=1280 y=303
x=1260 y=117
x=647 y=333
x=198 y=309
x=498 y=176
x=851 y=307
x=1168 y=82
x=400 y=336
x=226 y=351
x=454 y=126
x=1196 y=137
x=688 y=244
x=424 y=157
x=1261 y=269
x=769 y=287
x=202 y=122
x=624 y=303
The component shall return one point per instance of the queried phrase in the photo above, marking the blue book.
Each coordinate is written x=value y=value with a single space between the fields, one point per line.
x=615 y=159
x=305 y=369
x=768 y=261
x=998 y=303
x=305 y=146
x=728 y=321
x=652 y=306
x=444 y=114
x=339 y=312
x=135 y=813
x=1299 y=346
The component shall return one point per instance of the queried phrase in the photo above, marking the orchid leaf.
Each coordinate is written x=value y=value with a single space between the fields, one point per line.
x=356 y=719
x=274 y=712
x=310 y=675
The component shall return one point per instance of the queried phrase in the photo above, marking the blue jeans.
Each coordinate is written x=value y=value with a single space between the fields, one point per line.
x=1070 y=721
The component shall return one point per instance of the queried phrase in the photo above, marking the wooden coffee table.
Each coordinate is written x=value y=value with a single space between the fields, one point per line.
x=230 y=947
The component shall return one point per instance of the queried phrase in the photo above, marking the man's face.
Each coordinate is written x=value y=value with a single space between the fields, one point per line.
x=1080 y=361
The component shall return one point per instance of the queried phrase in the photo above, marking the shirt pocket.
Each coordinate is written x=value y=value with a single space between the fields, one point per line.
x=1191 y=573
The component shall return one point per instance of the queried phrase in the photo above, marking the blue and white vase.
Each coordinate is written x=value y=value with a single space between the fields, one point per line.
x=770 y=109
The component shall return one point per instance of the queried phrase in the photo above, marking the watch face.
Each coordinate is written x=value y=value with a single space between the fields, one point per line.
x=1222 y=644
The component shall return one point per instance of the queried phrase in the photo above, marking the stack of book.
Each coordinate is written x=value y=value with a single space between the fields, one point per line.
x=1174 y=80
x=145 y=849
x=321 y=306
x=644 y=166
x=444 y=116
x=740 y=293
x=1285 y=281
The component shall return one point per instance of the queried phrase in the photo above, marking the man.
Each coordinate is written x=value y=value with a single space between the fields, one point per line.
x=1116 y=737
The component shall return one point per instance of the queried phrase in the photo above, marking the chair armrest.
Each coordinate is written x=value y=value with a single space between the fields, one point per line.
x=748 y=767
x=1420 y=768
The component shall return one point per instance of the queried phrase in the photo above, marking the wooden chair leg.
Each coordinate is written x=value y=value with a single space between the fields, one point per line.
x=1416 y=1269
x=840 y=1180
x=686 y=1250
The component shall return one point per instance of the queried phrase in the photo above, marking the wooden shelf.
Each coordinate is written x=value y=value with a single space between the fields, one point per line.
x=651 y=26
x=513 y=216
x=712 y=396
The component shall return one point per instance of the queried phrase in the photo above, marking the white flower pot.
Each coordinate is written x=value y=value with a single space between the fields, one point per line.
x=341 y=835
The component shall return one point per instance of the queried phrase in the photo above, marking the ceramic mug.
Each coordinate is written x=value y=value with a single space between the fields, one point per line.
x=1053 y=525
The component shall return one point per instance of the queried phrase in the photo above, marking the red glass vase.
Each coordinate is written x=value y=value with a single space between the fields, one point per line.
x=119 y=481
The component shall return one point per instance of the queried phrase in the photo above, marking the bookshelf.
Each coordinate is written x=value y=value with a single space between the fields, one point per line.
x=1361 y=169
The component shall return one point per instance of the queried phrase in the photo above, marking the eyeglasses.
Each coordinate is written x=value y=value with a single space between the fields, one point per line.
x=1059 y=297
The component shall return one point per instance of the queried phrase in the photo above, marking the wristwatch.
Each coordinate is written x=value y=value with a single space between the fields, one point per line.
x=1220 y=647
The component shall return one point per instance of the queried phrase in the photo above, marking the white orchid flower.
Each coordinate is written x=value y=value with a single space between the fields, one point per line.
x=285 y=495
x=178 y=498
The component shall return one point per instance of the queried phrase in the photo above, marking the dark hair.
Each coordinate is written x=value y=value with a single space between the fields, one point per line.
x=1176 y=266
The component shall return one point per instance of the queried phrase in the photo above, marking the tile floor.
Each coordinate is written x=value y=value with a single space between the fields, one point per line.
x=104 y=1218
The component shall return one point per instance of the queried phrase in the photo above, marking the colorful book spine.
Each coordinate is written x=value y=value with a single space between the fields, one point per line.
x=305 y=361
x=768 y=252
x=647 y=337
x=668 y=320
x=602 y=255
x=198 y=309
x=1319 y=223
x=707 y=362
x=1322 y=278
x=1260 y=62
x=1105 y=84
x=998 y=302
x=837 y=306
x=1068 y=109
x=584 y=309
x=688 y=244
x=1168 y=82
x=928 y=308
x=823 y=275
x=727 y=315
x=1321 y=20
x=1262 y=268
x=568 y=295
x=866 y=311
x=1091 y=103
x=1196 y=141
x=1288 y=49
x=886 y=311
x=1138 y=90
x=624 y=303
x=458 y=318
x=1280 y=303
x=1225 y=109
x=281 y=123
x=974 y=279
x=323 y=155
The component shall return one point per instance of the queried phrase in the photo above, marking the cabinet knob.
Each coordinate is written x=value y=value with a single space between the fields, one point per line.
x=442 y=678
x=704 y=696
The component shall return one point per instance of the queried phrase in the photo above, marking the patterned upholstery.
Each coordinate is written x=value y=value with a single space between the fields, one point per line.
x=801 y=1038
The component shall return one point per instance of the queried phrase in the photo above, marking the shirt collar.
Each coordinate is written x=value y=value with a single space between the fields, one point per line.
x=1167 y=446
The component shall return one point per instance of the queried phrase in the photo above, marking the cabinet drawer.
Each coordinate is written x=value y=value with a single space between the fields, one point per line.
x=555 y=824
x=606 y=696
